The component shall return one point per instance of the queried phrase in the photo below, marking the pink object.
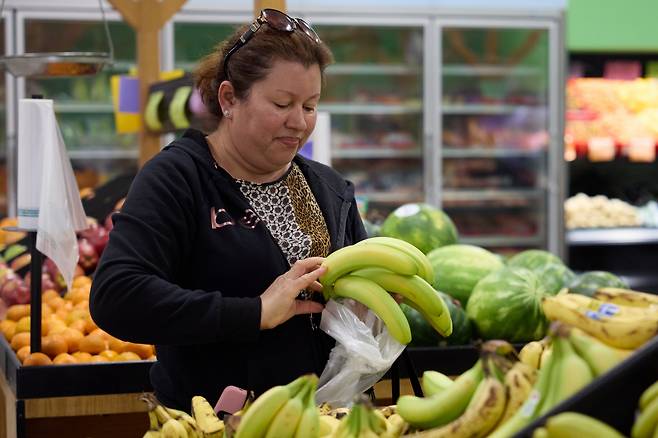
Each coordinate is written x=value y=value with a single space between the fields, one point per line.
x=623 y=70
x=231 y=400
x=196 y=104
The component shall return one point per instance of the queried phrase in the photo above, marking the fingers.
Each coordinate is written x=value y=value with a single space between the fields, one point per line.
x=301 y=267
x=315 y=286
x=307 y=306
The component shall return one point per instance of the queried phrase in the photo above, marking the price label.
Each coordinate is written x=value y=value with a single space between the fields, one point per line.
x=642 y=149
x=601 y=149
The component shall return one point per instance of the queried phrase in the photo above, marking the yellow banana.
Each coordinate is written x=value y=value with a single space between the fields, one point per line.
x=286 y=420
x=186 y=420
x=207 y=421
x=412 y=287
x=518 y=381
x=646 y=422
x=577 y=425
x=531 y=352
x=161 y=413
x=154 y=422
x=548 y=350
x=648 y=395
x=172 y=428
x=328 y=425
x=598 y=355
x=442 y=323
x=260 y=414
x=152 y=434
x=353 y=257
x=379 y=301
x=481 y=415
x=617 y=326
x=425 y=269
x=309 y=423
x=395 y=426
x=434 y=382
x=428 y=412
x=626 y=297
x=540 y=432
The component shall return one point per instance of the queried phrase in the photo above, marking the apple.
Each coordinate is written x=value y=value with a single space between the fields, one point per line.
x=88 y=255
x=46 y=281
x=97 y=236
x=10 y=290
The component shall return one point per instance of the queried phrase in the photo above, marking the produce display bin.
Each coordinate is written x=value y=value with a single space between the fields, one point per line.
x=613 y=397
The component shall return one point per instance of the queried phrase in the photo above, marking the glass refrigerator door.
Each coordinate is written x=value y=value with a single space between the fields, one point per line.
x=373 y=93
x=494 y=140
x=83 y=105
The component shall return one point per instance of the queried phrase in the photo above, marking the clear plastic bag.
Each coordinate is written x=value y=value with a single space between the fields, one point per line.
x=364 y=351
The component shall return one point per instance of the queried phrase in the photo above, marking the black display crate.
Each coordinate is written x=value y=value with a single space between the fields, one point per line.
x=613 y=397
x=74 y=379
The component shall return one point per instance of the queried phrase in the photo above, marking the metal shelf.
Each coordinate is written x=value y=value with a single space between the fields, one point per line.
x=103 y=154
x=376 y=152
x=483 y=108
x=83 y=107
x=371 y=108
x=612 y=236
x=372 y=69
x=490 y=152
x=488 y=70
x=490 y=194
x=497 y=241
x=391 y=196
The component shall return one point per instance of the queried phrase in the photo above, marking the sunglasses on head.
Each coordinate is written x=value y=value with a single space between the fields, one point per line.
x=277 y=20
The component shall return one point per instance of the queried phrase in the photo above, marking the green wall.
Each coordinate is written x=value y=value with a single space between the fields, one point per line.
x=612 y=25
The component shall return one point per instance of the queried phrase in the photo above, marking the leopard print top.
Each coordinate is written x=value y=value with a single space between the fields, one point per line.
x=291 y=214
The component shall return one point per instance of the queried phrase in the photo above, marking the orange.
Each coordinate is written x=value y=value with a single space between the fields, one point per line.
x=49 y=294
x=56 y=303
x=84 y=304
x=152 y=358
x=76 y=314
x=46 y=311
x=56 y=326
x=127 y=356
x=64 y=358
x=23 y=324
x=98 y=358
x=144 y=351
x=79 y=325
x=77 y=295
x=20 y=340
x=90 y=325
x=109 y=354
x=22 y=353
x=8 y=328
x=82 y=356
x=102 y=333
x=117 y=344
x=17 y=311
x=54 y=345
x=72 y=338
x=93 y=343
x=37 y=358
x=81 y=280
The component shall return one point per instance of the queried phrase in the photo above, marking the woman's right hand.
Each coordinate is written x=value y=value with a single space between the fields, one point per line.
x=279 y=302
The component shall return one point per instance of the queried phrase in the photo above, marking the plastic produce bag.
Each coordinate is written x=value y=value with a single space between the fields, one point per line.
x=364 y=351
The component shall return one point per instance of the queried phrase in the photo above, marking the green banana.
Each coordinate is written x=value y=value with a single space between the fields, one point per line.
x=599 y=356
x=425 y=268
x=540 y=432
x=255 y=421
x=646 y=422
x=576 y=425
x=379 y=301
x=328 y=425
x=429 y=412
x=411 y=287
x=207 y=421
x=172 y=428
x=353 y=257
x=434 y=382
x=648 y=396
x=442 y=323
x=309 y=423
x=286 y=420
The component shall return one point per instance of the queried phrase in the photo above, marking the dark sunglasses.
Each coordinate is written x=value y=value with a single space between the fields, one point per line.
x=277 y=20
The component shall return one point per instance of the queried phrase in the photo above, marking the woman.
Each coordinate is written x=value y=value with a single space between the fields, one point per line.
x=219 y=234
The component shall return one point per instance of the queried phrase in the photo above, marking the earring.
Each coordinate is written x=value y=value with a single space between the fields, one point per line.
x=227 y=114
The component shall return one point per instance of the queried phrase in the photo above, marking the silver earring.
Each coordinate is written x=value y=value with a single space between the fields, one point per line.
x=227 y=114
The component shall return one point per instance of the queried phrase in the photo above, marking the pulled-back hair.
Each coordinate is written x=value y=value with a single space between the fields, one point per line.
x=253 y=61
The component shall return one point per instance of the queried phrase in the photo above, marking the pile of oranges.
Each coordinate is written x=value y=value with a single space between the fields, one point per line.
x=68 y=333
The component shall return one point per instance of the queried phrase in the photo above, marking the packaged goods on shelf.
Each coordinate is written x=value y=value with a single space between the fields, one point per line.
x=582 y=211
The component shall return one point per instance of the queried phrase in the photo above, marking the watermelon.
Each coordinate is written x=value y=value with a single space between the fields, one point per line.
x=422 y=225
x=424 y=335
x=588 y=282
x=552 y=272
x=458 y=268
x=506 y=304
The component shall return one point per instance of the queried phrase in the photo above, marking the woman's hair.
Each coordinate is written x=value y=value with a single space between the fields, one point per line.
x=253 y=61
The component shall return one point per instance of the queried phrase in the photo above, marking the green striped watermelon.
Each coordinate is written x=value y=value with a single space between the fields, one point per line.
x=424 y=335
x=458 y=268
x=424 y=226
x=588 y=282
x=533 y=258
x=552 y=272
x=506 y=304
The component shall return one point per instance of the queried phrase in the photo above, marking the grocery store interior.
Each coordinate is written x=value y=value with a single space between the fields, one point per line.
x=533 y=125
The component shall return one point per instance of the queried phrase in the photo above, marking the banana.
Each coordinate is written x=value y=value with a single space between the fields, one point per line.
x=434 y=382
x=428 y=412
x=531 y=353
x=161 y=414
x=154 y=422
x=309 y=423
x=353 y=257
x=481 y=415
x=379 y=301
x=411 y=287
x=577 y=425
x=327 y=425
x=286 y=420
x=208 y=424
x=617 y=326
x=540 y=432
x=395 y=426
x=425 y=269
x=626 y=297
x=173 y=429
x=260 y=414
x=518 y=385
x=442 y=323
x=152 y=434
x=648 y=395
x=548 y=350
x=646 y=422
x=599 y=356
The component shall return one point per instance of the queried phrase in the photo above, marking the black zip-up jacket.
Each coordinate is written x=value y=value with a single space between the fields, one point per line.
x=176 y=275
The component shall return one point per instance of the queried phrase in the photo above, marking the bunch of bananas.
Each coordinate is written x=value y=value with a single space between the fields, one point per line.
x=575 y=425
x=371 y=270
x=646 y=422
x=621 y=318
x=167 y=422
x=284 y=411
x=363 y=421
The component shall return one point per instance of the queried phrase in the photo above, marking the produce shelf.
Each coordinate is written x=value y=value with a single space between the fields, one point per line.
x=612 y=236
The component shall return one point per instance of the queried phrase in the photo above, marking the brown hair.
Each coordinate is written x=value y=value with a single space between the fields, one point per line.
x=253 y=61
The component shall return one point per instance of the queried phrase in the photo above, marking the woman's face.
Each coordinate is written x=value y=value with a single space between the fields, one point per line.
x=278 y=115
